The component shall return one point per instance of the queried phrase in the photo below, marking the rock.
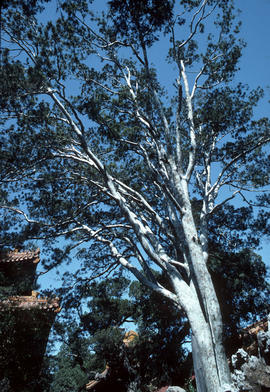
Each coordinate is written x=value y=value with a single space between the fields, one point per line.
x=251 y=373
x=264 y=345
x=175 y=389
x=239 y=358
x=227 y=388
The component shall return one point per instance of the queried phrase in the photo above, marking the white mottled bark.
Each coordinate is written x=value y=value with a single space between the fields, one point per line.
x=198 y=367
x=208 y=361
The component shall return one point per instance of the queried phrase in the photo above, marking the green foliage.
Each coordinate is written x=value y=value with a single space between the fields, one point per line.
x=161 y=332
x=33 y=143
x=69 y=372
x=28 y=7
x=108 y=308
x=242 y=287
x=141 y=19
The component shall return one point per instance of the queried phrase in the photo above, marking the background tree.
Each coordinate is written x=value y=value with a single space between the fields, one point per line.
x=149 y=360
x=70 y=369
x=111 y=164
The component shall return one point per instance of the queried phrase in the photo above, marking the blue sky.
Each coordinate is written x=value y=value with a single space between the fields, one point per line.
x=255 y=63
x=255 y=71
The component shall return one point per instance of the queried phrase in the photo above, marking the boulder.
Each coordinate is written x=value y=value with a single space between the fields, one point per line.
x=175 y=389
x=250 y=373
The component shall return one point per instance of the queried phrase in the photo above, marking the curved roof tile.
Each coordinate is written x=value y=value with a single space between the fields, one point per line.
x=16 y=256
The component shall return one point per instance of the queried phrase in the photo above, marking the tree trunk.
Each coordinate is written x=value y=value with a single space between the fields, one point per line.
x=205 y=360
x=198 y=367
x=208 y=354
x=210 y=325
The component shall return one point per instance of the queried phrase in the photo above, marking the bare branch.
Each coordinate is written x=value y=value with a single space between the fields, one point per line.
x=260 y=143
x=192 y=152
x=106 y=272
x=22 y=44
x=193 y=29
x=20 y=212
x=153 y=286
x=224 y=202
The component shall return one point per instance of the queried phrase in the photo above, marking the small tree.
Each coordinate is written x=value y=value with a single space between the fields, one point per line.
x=94 y=151
x=69 y=369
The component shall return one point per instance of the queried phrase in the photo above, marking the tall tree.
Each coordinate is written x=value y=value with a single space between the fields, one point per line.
x=96 y=152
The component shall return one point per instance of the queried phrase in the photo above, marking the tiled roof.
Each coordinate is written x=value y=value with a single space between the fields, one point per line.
x=92 y=384
x=20 y=257
x=261 y=325
x=27 y=302
x=129 y=337
x=248 y=336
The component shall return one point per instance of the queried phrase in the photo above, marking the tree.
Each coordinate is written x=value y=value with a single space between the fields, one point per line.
x=94 y=151
x=103 y=314
x=241 y=284
x=99 y=330
x=69 y=369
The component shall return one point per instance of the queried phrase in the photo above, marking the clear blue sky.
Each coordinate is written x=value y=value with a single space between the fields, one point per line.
x=255 y=63
x=255 y=71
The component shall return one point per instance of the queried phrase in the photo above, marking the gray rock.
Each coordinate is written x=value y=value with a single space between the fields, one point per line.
x=227 y=388
x=239 y=358
x=175 y=389
x=264 y=346
x=251 y=373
